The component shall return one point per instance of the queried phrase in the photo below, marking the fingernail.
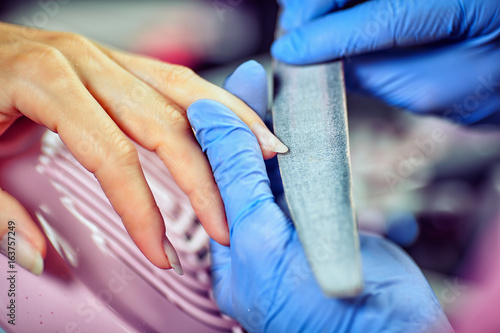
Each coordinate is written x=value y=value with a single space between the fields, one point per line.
x=17 y=248
x=267 y=140
x=173 y=259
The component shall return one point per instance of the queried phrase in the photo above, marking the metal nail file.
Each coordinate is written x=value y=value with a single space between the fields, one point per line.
x=310 y=117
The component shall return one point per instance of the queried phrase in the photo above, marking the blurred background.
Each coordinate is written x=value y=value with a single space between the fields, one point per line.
x=196 y=33
x=430 y=186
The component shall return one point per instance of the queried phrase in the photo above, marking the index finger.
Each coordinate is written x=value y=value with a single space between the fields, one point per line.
x=184 y=87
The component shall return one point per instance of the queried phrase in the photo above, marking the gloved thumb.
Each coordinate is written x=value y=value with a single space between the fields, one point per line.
x=369 y=27
x=296 y=12
x=249 y=83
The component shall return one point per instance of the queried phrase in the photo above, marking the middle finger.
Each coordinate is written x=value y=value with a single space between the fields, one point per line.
x=158 y=124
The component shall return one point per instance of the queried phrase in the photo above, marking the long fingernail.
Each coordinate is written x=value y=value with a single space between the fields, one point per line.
x=20 y=250
x=267 y=140
x=173 y=259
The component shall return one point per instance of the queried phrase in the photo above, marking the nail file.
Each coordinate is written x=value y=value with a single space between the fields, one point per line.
x=310 y=117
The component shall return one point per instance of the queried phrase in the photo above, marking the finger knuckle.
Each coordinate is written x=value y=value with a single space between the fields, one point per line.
x=175 y=116
x=41 y=62
x=246 y=245
x=126 y=151
x=68 y=40
x=121 y=150
x=52 y=56
x=77 y=48
x=40 y=55
x=203 y=196
x=177 y=75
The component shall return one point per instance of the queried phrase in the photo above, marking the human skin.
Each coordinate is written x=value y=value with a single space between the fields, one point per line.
x=99 y=101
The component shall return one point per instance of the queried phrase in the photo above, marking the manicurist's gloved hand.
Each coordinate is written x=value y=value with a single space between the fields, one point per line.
x=439 y=56
x=262 y=280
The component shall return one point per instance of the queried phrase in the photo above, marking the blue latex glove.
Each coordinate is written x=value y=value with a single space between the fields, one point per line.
x=438 y=56
x=263 y=280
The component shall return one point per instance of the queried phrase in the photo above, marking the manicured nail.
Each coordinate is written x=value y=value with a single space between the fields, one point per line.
x=24 y=254
x=267 y=140
x=173 y=259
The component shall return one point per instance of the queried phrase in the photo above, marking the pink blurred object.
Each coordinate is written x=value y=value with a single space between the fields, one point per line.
x=95 y=279
x=480 y=312
x=193 y=33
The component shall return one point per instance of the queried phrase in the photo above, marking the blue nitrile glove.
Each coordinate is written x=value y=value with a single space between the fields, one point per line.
x=263 y=279
x=440 y=56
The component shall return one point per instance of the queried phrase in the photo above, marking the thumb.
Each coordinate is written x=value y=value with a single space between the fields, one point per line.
x=20 y=239
x=249 y=83
x=369 y=27
x=233 y=152
x=258 y=229
x=296 y=12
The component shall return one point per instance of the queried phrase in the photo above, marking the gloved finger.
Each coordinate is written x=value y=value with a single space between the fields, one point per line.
x=233 y=153
x=259 y=231
x=178 y=83
x=236 y=162
x=220 y=268
x=402 y=228
x=249 y=83
x=404 y=79
x=369 y=27
x=297 y=12
x=220 y=256
x=20 y=239
x=383 y=261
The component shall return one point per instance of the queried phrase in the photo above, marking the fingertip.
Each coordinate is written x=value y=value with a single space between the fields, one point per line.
x=278 y=49
x=214 y=221
x=38 y=265
x=37 y=239
x=221 y=238
x=149 y=237
x=249 y=83
x=18 y=229
x=41 y=245
x=195 y=113
x=26 y=254
x=402 y=228
x=250 y=70
x=206 y=113
x=158 y=258
x=267 y=154
x=173 y=258
x=249 y=65
x=211 y=211
x=286 y=49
